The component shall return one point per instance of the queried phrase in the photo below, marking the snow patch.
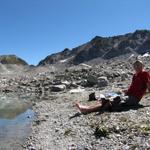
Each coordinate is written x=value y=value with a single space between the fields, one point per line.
x=146 y=55
x=85 y=65
x=62 y=61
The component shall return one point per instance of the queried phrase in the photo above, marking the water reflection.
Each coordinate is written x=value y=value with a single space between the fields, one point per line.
x=24 y=117
x=15 y=120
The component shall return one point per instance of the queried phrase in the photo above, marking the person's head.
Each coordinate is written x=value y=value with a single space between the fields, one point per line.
x=138 y=66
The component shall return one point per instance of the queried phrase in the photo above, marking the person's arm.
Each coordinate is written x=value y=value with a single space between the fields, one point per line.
x=148 y=86
x=148 y=82
x=125 y=91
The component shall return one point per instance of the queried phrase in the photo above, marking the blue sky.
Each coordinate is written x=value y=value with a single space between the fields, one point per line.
x=33 y=29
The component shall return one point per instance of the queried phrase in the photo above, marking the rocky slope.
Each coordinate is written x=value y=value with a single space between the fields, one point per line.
x=59 y=125
x=103 y=48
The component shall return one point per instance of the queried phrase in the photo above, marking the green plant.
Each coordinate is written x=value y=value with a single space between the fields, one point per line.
x=145 y=129
x=67 y=132
x=123 y=119
x=101 y=131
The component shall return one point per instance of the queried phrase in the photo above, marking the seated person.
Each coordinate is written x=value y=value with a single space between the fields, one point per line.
x=140 y=83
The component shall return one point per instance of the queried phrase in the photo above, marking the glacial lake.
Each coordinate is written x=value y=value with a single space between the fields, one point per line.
x=16 y=116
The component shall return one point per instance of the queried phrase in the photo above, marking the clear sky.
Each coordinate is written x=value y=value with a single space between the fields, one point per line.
x=33 y=29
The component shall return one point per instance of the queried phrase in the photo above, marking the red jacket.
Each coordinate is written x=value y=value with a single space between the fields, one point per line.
x=139 y=84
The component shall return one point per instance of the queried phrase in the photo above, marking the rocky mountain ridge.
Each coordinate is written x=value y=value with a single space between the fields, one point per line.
x=12 y=59
x=103 y=48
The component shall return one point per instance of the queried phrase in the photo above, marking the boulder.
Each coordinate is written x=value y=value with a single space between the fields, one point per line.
x=91 y=80
x=58 y=88
x=102 y=81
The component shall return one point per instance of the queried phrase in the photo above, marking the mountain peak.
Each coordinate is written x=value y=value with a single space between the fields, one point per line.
x=12 y=59
x=104 y=48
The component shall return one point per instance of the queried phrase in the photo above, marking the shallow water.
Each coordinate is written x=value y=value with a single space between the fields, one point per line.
x=15 y=120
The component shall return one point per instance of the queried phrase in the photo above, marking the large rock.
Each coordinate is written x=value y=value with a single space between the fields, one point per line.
x=91 y=80
x=58 y=88
x=102 y=81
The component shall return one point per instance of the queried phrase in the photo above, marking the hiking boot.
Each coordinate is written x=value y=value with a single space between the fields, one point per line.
x=92 y=97
x=116 y=100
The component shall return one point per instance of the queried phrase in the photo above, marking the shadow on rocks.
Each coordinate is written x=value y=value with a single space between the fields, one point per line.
x=122 y=108
x=78 y=114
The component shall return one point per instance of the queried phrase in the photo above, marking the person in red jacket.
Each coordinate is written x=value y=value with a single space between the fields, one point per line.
x=139 y=85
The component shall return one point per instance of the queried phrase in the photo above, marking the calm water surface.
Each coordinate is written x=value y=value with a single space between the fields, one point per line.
x=15 y=121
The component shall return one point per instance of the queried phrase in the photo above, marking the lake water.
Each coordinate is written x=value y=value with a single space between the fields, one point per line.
x=16 y=116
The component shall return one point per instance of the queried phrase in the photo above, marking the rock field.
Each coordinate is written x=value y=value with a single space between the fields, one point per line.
x=60 y=126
